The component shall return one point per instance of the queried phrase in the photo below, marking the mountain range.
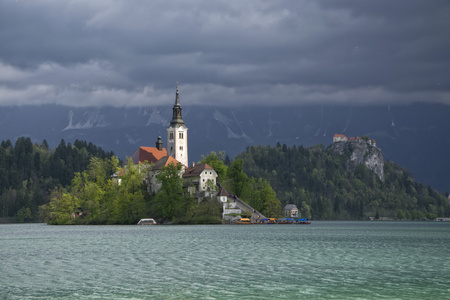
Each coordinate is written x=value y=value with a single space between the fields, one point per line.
x=416 y=136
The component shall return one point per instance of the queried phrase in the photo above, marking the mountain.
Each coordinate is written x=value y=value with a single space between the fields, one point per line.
x=415 y=136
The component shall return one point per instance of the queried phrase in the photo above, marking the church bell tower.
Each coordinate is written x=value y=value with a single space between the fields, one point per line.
x=177 y=134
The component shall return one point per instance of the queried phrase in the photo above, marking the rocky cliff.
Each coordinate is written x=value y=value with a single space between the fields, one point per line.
x=362 y=151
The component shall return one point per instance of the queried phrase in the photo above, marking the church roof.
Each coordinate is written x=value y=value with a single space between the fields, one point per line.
x=197 y=170
x=149 y=154
x=164 y=162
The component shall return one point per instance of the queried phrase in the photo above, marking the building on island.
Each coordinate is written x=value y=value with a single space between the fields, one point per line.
x=149 y=154
x=158 y=156
x=200 y=179
x=177 y=134
x=222 y=196
x=339 y=138
x=203 y=178
x=291 y=211
x=153 y=184
x=342 y=138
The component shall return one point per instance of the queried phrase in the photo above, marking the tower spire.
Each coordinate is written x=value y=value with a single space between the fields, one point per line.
x=177 y=97
x=177 y=134
x=177 y=111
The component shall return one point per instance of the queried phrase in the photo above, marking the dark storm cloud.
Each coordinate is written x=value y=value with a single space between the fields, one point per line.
x=223 y=52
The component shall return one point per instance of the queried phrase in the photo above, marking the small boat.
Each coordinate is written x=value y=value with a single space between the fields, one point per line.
x=244 y=221
x=147 y=222
x=302 y=222
x=268 y=221
x=285 y=221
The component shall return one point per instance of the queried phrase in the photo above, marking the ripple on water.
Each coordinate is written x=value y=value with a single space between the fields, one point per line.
x=324 y=260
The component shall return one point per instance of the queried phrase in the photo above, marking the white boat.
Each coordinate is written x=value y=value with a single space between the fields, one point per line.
x=147 y=222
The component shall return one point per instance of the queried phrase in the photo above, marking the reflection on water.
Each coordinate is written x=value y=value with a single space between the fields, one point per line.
x=356 y=260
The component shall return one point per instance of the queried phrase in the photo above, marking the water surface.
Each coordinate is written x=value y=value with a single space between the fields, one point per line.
x=324 y=260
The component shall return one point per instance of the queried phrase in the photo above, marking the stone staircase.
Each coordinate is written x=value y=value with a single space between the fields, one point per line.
x=234 y=205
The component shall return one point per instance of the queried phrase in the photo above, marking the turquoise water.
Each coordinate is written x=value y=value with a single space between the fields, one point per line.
x=324 y=260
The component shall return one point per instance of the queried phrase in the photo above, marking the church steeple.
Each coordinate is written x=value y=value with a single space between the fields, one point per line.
x=177 y=146
x=176 y=116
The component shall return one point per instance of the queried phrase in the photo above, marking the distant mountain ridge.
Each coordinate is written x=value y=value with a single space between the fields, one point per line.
x=415 y=136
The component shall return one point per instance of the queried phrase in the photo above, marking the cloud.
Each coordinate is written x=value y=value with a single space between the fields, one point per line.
x=132 y=53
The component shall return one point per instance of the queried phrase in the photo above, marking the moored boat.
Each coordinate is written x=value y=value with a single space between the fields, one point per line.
x=244 y=221
x=149 y=221
x=285 y=221
x=302 y=222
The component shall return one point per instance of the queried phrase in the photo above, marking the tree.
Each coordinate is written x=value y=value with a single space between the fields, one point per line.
x=238 y=179
x=215 y=160
x=24 y=215
x=210 y=186
x=272 y=206
x=60 y=209
x=227 y=160
x=93 y=199
x=169 y=201
x=130 y=201
x=306 y=210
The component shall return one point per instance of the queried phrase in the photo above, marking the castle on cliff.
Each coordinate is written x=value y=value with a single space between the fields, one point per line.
x=342 y=138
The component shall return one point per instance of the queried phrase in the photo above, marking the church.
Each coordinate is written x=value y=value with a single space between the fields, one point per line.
x=176 y=152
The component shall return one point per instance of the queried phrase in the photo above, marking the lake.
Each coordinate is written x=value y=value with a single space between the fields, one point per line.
x=324 y=260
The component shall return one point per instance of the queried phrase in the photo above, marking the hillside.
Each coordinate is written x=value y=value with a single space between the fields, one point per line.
x=343 y=182
x=29 y=172
x=348 y=181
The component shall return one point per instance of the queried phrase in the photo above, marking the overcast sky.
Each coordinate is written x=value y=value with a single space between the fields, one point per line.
x=224 y=53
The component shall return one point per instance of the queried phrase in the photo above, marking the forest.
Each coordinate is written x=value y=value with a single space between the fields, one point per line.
x=78 y=184
x=317 y=180
x=29 y=172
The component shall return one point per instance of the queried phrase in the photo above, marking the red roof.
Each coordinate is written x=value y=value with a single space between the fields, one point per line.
x=339 y=135
x=164 y=162
x=149 y=154
x=197 y=170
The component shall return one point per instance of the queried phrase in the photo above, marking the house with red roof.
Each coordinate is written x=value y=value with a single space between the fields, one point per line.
x=342 y=138
x=202 y=178
x=339 y=138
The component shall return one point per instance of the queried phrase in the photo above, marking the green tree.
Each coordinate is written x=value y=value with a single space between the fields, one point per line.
x=24 y=215
x=61 y=207
x=216 y=161
x=129 y=205
x=169 y=202
x=272 y=206
x=238 y=179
